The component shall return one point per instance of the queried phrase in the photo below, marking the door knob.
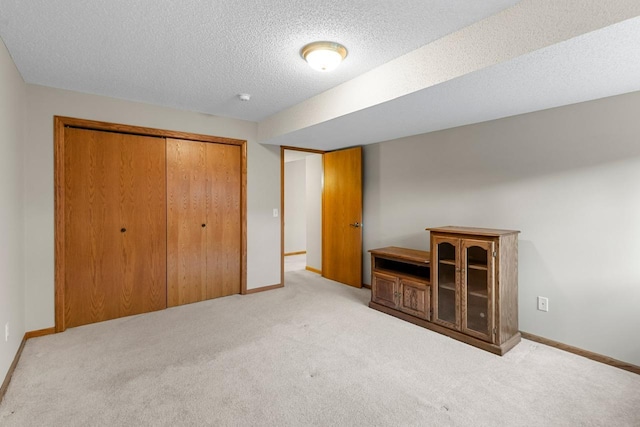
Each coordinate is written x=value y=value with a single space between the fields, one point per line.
x=356 y=225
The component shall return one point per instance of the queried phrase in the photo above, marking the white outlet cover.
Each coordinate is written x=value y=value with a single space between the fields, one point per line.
x=543 y=304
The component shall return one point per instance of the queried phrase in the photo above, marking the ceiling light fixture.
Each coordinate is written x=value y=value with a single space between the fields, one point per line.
x=324 y=56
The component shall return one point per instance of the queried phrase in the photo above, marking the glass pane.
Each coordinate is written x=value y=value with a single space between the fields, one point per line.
x=447 y=282
x=477 y=256
x=477 y=290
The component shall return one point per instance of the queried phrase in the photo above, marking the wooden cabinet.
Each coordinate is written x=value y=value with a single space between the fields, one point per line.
x=400 y=280
x=475 y=285
x=466 y=287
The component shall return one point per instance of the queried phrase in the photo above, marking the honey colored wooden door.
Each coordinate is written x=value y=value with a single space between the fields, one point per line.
x=204 y=220
x=342 y=217
x=115 y=225
x=186 y=221
x=224 y=219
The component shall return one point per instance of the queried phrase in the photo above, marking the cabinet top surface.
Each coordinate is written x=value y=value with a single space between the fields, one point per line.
x=472 y=230
x=403 y=254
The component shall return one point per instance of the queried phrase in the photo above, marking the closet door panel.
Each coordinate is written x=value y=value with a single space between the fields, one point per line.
x=224 y=176
x=143 y=213
x=92 y=227
x=115 y=225
x=186 y=216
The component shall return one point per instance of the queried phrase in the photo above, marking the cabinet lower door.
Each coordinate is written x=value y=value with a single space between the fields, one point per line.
x=384 y=290
x=415 y=299
x=478 y=288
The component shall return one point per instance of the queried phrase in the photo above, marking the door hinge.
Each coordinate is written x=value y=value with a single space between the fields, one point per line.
x=495 y=254
x=495 y=331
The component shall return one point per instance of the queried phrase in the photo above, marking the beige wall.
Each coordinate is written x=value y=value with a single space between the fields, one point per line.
x=295 y=221
x=568 y=178
x=12 y=126
x=314 y=210
x=263 y=181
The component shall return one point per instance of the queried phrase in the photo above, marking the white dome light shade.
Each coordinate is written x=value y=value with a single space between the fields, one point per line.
x=324 y=56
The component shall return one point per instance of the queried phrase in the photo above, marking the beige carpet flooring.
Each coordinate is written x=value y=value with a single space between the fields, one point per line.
x=311 y=353
x=295 y=262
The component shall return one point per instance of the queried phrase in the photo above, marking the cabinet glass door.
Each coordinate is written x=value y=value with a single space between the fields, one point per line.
x=477 y=286
x=447 y=270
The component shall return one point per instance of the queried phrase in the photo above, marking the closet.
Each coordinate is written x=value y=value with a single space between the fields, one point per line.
x=145 y=219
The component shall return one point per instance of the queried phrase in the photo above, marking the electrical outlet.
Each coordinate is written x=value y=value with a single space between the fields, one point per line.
x=6 y=332
x=543 y=303
x=275 y=213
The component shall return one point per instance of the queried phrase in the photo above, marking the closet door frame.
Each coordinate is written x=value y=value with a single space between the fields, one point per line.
x=59 y=125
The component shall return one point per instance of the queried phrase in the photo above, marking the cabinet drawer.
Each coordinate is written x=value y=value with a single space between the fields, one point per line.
x=415 y=299
x=384 y=289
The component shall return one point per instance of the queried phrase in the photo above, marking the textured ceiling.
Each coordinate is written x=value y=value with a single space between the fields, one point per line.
x=198 y=55
x=414 y=66
x=595 y=65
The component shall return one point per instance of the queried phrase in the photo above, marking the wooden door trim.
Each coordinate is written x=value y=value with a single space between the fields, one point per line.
x=59 y=124
x=282 y=213
x=59 y=215
x=306 y=150
x=243 y=218
x=144 y=131
x=282 y=148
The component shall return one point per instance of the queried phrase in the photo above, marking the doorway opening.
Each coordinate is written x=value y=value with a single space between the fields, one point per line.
x=333 y=244
x=302 y=178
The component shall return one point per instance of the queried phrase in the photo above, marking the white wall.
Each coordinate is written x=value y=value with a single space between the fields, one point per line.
x=263 y=181
x=568 y=178
x=295 y=220
x=12 y=130
x=314 y=211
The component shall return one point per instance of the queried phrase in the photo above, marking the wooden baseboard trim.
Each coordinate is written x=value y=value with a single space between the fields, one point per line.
x=295 y=253
x=7 y=378
x=584 y=353
x=40 y=333
x=264 y=288
x=364 y=285
x=313 y=270
x=27 y=335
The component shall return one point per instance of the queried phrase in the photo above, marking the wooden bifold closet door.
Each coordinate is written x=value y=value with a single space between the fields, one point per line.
x=114 y=225
x=204 y=220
